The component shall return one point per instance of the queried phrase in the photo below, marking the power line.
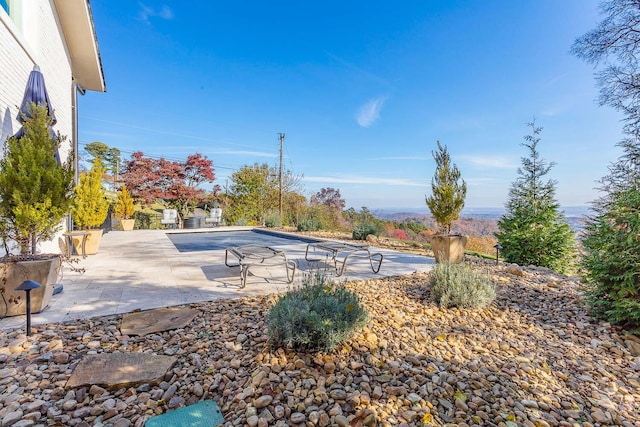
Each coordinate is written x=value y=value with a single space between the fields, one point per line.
x=158 y=156
x=156 y=130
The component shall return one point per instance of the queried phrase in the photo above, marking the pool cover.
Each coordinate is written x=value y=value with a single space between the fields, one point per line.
x=218 y=240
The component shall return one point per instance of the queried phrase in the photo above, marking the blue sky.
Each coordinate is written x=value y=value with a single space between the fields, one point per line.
x=362 y=91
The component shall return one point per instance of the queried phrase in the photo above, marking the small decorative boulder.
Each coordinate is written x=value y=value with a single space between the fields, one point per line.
x=515 y=269
x=633 y=344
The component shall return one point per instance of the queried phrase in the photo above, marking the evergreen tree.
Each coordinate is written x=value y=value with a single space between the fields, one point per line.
x=124 y=205
x=91 y=205
x=35 y=191
x=533 y=231
x=611 y=257
x=447 y=198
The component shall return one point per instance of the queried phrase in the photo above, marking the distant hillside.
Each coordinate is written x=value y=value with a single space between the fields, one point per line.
x=477 y=221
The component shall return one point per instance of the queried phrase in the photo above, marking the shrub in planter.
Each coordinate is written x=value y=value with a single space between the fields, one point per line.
x=316 y=316
x=459 y=285
x=35 y=191
x=91 y=205
x=125 y=209
x=448 y=191
x=35 y=195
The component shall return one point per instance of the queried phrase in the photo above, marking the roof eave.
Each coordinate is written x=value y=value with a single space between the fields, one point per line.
x=79 y=31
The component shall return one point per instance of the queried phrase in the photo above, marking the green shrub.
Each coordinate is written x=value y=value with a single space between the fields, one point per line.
x=241 y=221
x=309 y=225
x=144 y=220
x=459 y=285
x=316 y=316
x=273 y=219
x=360 y=232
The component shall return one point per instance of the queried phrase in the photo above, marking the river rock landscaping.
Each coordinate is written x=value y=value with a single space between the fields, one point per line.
x=534 y=357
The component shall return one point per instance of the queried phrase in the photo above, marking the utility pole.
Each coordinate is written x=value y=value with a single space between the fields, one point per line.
x=116 y=178
x=280 y=174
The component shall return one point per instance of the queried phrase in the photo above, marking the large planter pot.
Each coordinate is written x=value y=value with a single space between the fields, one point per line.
x=193 y=222
x=127 y=224
x=92 y=243
x=449 y=248
x=13 y=273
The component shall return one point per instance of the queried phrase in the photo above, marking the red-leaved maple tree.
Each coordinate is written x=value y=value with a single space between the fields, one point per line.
x=173 y=184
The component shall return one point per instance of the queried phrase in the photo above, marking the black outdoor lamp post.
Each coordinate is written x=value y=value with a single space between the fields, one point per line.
x=498 y=247
x=27 y=286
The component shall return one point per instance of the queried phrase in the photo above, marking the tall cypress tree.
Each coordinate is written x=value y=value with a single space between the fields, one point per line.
x=533 y=230
x=35 y=191
x=447 y=194
x=91 y=204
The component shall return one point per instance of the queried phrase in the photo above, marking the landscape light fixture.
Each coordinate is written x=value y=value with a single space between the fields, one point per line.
x=498 y=247
x=27 y=286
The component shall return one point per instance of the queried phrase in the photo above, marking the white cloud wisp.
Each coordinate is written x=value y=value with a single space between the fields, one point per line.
x=147 y=12
x=363 y=180
x=369 y=112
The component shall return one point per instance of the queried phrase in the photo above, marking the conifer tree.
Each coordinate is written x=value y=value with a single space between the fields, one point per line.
x=35 y=191
x=611 y=256
x=91 y=205
x=447 y=198
x=124 y=205
x=533 y=230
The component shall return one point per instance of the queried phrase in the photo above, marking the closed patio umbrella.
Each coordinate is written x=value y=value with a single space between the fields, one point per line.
x=36 y=92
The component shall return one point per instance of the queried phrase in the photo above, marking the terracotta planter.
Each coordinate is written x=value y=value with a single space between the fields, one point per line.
x=13 y=273
x=448 y=247
x=127 y=224
x=93 y=241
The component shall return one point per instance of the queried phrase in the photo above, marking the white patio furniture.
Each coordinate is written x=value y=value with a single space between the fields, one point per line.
x=169 y=218
x=215 y=217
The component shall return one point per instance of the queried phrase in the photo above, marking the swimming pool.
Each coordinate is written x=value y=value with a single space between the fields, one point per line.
x=218 y=240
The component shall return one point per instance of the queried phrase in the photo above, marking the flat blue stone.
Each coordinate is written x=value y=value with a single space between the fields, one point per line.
x=202 y=414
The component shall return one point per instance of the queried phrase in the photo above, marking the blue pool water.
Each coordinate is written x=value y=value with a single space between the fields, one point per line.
x=217 y=240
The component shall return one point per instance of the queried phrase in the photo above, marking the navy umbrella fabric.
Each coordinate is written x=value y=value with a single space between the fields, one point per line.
x=36 y=93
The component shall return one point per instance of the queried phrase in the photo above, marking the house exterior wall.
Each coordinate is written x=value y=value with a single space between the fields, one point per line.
x=36 y=40
x=31 y=36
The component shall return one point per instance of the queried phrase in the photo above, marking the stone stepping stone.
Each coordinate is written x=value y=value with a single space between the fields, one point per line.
x=202 y=414
x=120 y=369
x=157 y=320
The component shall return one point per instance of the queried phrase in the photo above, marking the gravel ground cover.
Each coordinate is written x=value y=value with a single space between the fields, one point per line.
x=532 y=358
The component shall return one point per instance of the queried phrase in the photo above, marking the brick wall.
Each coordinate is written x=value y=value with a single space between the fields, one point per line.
x=37 y=39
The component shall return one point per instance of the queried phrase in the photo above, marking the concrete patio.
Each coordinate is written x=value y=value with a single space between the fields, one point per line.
x=142 y=269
